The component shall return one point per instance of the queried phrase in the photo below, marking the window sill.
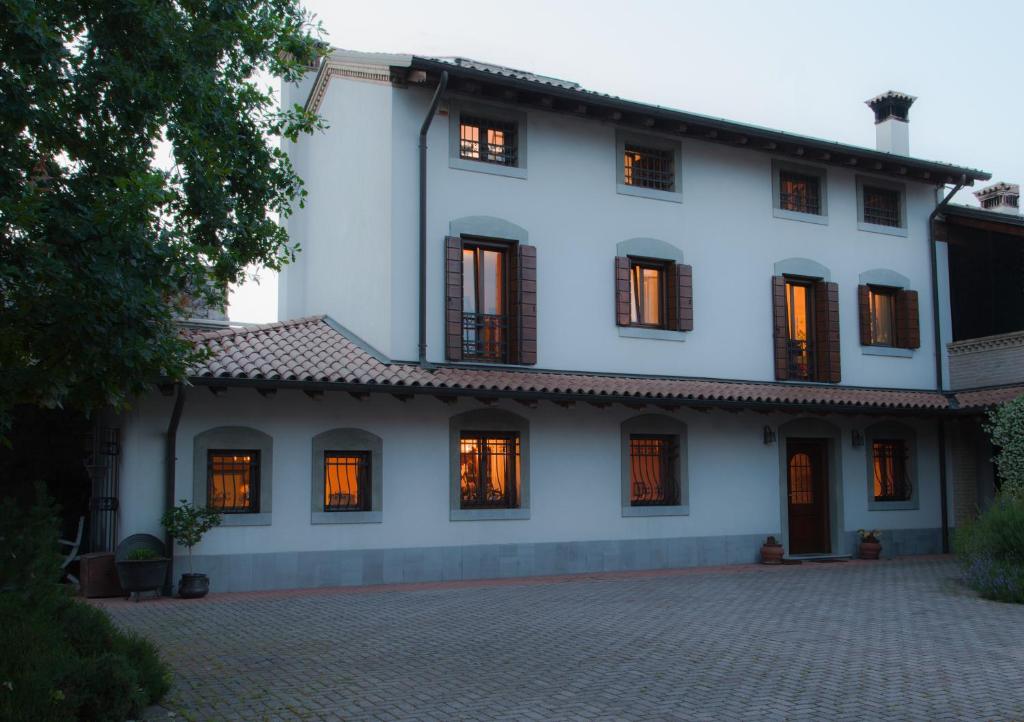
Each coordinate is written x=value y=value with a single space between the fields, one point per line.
x=659 y=334
x=887 y=230
x=910 y=505
x=887 y=351
x=796 y=216
x=489 y=514
x=670 y=196
x=678 y=510
x=261 y=519
x=478 y=166
x=347 y=517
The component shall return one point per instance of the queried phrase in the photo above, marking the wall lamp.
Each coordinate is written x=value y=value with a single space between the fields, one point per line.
x=769 y=435
x=857 y=438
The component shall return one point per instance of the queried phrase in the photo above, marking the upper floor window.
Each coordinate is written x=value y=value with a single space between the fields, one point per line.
x=347 y=481
x=805 y=319
x=647 y=293
x=653 y=460
x=882 y=305
x=882 y=206
x=799 y=192
x=645 y=167
x=891 y=481
x=489 y=470
x=485 y=301
x=800 y=329
x=232 y=481
x=489 y=141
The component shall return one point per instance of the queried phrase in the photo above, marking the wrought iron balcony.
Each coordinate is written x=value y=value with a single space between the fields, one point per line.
x=800 y=356
x=485 y=337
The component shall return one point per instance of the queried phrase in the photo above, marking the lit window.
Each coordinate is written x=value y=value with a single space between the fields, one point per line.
x=347 y=481
x=800 y=329
x=653 y=460
x=882 y=303
x=647 y=289
x=489 y=470
x=233 y=481
x=799 y=192
x=649 y=168
x=882 y=206
x=890 y=466
x=485 y=302
x=801 y=479
x=489 y=141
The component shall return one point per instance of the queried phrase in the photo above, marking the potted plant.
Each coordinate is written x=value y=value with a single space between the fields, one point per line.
x=771 y=551
x=142 y=571
x=870 y=547
x=187 y=524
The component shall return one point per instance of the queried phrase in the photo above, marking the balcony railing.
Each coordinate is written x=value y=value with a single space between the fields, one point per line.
x=800 y=356
x=485 y=337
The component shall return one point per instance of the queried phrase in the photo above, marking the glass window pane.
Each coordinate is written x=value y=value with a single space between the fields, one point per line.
x=652 y=296
x=492 y=291
x=635 y=293
x=882 y=318
x=345 y=481
x=468 y=281
x=231 y=481
x=796 y=301
x=469 y=136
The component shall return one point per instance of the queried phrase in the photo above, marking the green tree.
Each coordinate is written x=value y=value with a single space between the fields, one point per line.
x=1006 y=429
x=99 y=241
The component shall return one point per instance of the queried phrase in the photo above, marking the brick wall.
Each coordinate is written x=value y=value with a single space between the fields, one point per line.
x=964 y=471
x=988 y=361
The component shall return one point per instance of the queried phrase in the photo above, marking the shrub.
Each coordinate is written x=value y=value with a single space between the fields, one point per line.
x=1006 y=428
x=142 y=555
x=991 y=550
x=188 y=524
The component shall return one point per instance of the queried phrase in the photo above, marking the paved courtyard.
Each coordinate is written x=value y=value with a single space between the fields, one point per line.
x=862 y=640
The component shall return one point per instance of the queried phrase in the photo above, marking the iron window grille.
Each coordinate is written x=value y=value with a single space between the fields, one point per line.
x=800 y=346
x=648 y=293
x=882 y=206
x=892 y=483
x=801 y=479
x=347 y=481
x=653 y=461
x=489 y=141
x=652 y=168
x=799 y=193
x=485 y=302
x=489 y=470
x=233 y=481
x=882 y=304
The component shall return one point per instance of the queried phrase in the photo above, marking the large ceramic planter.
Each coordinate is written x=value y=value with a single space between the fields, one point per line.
x=870 y=550
x=143 y=575
x=771 y=552
x=193 y=586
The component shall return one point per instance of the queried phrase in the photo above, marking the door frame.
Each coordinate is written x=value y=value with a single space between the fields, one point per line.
x=820 y=430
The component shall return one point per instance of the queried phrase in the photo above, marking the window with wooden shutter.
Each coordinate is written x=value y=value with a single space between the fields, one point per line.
x=684 y=296
x=653 y=293
x=888 y=317
x=805 y=329
x=524 y=305
x=864 y=314
x=780 y=332
x=453 y=299
x=908 y=323
x=826 y=326
x=621 y=291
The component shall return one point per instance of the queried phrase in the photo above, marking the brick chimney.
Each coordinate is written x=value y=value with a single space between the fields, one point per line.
x=892 y=121
x=1000 y=197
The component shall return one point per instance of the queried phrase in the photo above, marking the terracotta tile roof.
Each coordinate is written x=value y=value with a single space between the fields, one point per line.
x=983 y=398
x=318 y=351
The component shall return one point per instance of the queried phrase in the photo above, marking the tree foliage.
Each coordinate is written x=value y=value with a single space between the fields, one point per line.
x=100 y=242
x=1006 y=429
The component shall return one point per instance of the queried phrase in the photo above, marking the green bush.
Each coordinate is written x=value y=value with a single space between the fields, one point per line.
x=62 y=659
x=991 y=550
x=1006 y=428
x=142 y=555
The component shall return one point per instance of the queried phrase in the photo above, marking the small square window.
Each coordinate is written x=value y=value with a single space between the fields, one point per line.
x=652 y=461
x=882 y=206
x=489 y=470
x=799 y=192
x=891 y=481
x=347 y=481
x=488 y=141
x=882 y=307
x=653 y=168
x=232 y=481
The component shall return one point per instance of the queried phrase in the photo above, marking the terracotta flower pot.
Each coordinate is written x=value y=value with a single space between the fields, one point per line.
x=870 y=550
x=771 y=552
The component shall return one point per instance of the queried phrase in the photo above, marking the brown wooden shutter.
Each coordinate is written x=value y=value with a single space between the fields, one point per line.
x=864 y=308
x=523 y=318
x=621 y=291
x=684 y=296
x=826 y=331
x=908 y=323
x=453 y=299
x=780 y=331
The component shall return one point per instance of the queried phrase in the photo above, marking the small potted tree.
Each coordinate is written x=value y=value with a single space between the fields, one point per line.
x=870 y=547
x=187 y=524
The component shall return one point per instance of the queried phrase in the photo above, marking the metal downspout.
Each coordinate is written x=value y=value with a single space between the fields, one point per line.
x=169 y=469
x=937 y=330
x=442 y=83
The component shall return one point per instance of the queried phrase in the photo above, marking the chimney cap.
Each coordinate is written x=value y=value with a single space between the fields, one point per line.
x=891 y=104
x=999 y=196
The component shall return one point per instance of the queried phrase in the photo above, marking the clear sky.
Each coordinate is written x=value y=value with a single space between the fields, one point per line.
x=801 y=67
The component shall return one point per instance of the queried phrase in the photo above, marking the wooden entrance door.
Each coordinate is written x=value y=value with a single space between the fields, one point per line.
x=807 y=494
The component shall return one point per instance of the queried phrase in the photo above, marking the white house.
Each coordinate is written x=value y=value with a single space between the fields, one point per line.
x=537 y=329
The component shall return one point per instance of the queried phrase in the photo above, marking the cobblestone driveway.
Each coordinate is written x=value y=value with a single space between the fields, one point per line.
x=862 y=640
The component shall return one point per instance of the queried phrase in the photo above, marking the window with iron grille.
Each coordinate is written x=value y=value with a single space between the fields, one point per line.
x=485 y=301
x=882 y=307
x=489 y=470
x=232 y=481
x=891 y=481
x=645 y=167
x=347 y=481
x=799 y=192
x=489 y=141
x=882 y=206
x=648 y=293
x=653 y=460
